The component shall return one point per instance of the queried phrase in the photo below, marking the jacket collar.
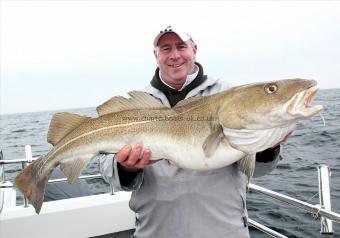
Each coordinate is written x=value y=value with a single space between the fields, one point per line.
x=158 y=93
x=174 y=96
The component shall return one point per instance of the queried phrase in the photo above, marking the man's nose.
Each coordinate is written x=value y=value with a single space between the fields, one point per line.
x=174 y=54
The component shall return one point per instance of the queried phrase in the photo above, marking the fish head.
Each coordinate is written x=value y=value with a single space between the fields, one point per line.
x=269 y=104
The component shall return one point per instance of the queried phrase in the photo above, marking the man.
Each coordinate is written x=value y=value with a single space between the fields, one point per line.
x=171 y=202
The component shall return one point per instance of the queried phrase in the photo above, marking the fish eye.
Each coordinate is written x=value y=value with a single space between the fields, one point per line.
x=270 y=88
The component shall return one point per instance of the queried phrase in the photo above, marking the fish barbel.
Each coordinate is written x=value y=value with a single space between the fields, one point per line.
x=200 y=133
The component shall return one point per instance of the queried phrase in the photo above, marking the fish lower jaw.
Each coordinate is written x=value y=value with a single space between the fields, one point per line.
x=306 y=111
x=300 y=104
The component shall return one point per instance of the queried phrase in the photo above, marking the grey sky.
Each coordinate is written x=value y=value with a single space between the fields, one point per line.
x=72 y=54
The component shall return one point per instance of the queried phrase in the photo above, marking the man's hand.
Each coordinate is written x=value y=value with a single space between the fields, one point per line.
x=133 y=159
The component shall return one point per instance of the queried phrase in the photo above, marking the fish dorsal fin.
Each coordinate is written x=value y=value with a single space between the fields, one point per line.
x=137 y=100
x=191 y=101
x=61 y=124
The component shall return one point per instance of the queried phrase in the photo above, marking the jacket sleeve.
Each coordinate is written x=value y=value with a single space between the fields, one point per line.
x=266 y=161
x=120 y=179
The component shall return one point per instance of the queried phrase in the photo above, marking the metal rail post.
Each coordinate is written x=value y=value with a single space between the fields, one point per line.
x=325 y=198
x=2 y=169
x=28 y=152
x=2 y=180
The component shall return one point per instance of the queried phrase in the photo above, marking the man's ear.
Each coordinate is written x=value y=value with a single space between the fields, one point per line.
x=155 y=54
x=194 y=48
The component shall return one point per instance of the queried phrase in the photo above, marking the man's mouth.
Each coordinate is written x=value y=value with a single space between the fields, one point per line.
x=175 y=65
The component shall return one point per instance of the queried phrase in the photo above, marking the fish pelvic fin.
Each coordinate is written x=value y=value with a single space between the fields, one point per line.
x=72 y=168
x=137 y=100
x=247 y=165
x=63 y=123
x=32 y=183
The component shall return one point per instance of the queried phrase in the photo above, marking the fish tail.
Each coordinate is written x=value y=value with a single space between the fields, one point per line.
x=32 y=183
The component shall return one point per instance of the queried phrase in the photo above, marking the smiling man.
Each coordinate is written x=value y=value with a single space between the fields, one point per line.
x=172 y=202
x=175 y=56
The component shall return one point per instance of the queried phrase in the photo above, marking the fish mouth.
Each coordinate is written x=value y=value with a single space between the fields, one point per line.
x=301 y=103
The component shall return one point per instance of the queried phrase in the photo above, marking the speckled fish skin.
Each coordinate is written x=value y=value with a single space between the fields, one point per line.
x=201 y=133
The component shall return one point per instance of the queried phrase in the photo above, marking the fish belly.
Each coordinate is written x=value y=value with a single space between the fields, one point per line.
x=187 y=154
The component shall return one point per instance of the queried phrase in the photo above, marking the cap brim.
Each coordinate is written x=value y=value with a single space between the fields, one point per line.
x=183 y=36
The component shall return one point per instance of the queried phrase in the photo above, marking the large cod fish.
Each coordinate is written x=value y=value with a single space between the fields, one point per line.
x=200 y=133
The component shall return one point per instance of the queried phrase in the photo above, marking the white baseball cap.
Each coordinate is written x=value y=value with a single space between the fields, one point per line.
x=182 y=35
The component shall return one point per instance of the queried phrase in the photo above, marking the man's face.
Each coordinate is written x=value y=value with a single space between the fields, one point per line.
x=175 y=58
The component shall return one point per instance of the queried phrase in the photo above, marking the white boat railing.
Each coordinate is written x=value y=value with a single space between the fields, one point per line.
x=321 y=210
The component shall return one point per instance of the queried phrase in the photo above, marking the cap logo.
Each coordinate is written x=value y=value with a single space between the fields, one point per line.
x=182 y=35
x=168 y=29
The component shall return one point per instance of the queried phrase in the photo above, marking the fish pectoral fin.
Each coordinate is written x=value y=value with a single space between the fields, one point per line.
x=137 y=100
x=212 y=142
x=72 y=168
x=247 y=165
x=61 y=124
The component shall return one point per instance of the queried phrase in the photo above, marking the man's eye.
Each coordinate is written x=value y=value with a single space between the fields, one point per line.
x=165 y=48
